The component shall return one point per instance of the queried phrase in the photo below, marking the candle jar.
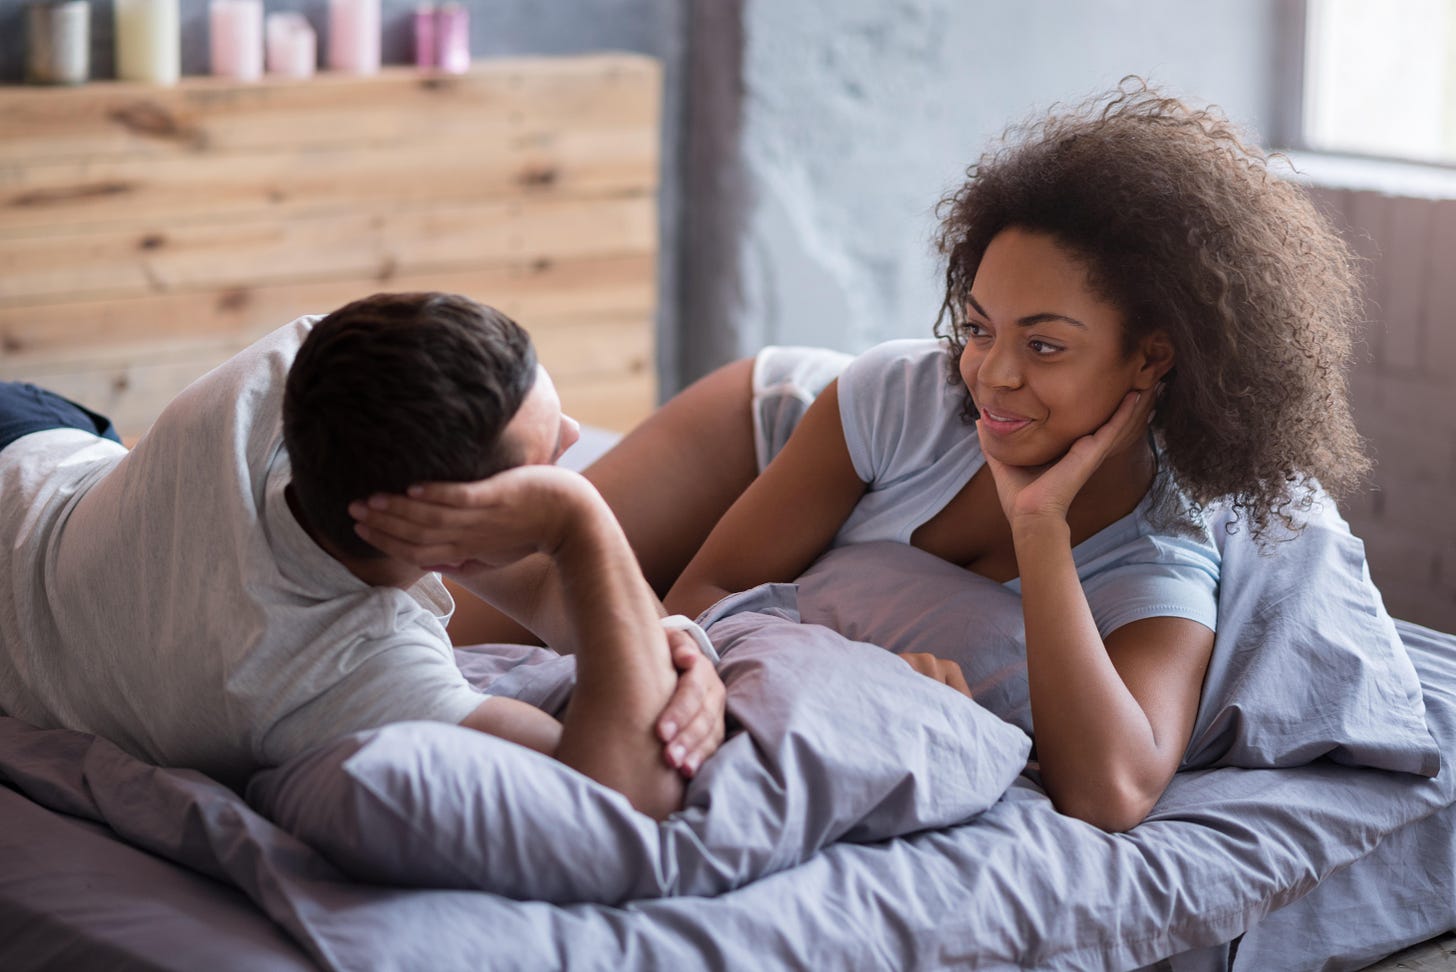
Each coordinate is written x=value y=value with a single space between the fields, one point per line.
x=354 y=36
x=452 y=36
x=292 y=46
x=58 y=42
x=148 y=41
x=425 y=40
x=236 y=34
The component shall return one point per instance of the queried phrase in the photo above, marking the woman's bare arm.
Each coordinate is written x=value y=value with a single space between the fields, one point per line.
x=783 y=521
x=1112 y=720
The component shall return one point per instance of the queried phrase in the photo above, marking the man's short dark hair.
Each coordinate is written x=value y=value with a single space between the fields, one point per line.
x=398 y=389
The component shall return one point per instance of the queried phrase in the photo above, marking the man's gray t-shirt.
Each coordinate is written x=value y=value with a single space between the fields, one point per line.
x=168 y=600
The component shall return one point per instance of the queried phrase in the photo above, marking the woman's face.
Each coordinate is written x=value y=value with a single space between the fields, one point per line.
x=1044 y=358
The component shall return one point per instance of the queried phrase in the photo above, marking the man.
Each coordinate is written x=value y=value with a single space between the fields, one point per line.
x=205 y=600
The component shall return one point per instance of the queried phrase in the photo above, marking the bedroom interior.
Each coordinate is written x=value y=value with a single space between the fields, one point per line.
x=653 y=188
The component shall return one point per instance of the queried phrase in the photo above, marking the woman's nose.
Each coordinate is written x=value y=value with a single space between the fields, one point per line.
x=998 y=367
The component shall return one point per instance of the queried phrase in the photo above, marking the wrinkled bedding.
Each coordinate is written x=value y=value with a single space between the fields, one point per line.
x=820 y=757
x=1020 y=886
x=860 y=817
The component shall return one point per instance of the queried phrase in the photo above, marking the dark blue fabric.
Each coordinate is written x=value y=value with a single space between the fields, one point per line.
x=24 y=409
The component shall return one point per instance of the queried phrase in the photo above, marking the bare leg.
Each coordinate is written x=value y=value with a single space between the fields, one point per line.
x=668 y=482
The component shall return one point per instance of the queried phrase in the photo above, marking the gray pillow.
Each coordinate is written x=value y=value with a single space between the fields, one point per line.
x=1306 y=661
x=840 y=741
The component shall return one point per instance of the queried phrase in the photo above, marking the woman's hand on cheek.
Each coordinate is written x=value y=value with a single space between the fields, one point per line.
x=1048 y=491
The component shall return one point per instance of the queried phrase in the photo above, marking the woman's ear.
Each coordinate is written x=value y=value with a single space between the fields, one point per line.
x=1156 y=354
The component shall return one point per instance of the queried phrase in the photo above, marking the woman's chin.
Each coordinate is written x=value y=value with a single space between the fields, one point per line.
x=1023 y=455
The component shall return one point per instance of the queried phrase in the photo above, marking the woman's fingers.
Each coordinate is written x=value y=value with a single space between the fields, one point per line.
x=942 y=670
x=955 y=678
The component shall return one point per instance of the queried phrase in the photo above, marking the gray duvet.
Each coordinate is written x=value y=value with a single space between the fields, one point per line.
x=860 y=817
x=1020 y=886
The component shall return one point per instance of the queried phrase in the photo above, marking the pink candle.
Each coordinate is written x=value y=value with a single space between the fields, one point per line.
x=236 y=28
x=452 y=27
x=354 y=36
x=425 y=36
x=292 y=46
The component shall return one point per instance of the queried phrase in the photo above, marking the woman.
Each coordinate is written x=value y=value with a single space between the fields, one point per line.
x=1139 y=320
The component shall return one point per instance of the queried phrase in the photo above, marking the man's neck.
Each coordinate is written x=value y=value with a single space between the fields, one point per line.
x=374 y=571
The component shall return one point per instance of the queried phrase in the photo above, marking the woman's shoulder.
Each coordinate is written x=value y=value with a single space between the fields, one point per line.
x=900 y=408
x=902 y=353
x=906 y=371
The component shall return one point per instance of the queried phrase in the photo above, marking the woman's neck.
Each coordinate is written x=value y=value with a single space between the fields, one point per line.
x=1114 y=490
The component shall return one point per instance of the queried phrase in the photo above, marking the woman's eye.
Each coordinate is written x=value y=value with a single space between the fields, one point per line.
x=1042 y=347
x=976 y=330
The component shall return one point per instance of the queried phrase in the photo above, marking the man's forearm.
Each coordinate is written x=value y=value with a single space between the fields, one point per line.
x=624 y=673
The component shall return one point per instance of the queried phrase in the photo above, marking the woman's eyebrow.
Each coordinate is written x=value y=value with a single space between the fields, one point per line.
x=1029 y=319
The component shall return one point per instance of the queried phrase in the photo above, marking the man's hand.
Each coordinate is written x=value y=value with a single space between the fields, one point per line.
x=490 y=523
x=691 y=727
x=940 y=669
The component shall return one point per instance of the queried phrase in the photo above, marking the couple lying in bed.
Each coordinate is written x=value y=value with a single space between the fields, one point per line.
x=1139 y=320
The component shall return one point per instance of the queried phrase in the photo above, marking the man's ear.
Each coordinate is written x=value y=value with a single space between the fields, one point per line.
x=1156 y=359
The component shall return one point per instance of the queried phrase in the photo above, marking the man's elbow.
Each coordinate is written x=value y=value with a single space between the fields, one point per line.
x=1114 y=809
x=660 y=797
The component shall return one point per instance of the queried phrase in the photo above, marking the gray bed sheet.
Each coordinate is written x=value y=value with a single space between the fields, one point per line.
x=1402 y=893
x=1319 y=867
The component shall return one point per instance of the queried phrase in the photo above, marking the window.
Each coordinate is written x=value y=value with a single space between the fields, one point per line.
x=1380 y=78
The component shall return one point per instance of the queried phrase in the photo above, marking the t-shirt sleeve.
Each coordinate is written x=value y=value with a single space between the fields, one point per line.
x=390 y=681
x=880 y=394
x=1158 y=577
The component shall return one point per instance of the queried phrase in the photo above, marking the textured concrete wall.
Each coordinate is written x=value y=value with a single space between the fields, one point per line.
x=857 y=115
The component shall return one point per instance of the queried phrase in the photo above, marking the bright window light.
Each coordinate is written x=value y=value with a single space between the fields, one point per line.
x=1380 y=78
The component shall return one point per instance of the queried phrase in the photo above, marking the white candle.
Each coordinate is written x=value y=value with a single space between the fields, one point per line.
x=354 y=36
x=148 y=41
x=236 y=28
x=58 y=42
x=292 y=46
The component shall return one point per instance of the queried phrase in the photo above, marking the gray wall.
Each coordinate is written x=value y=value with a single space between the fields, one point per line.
x=853 y=117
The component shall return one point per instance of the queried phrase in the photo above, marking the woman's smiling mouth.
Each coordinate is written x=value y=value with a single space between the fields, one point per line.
x=1002 y=423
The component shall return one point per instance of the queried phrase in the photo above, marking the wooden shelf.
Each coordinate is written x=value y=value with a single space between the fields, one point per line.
x=147 y=233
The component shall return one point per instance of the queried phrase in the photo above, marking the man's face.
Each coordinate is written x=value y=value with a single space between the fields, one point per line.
x=539 y=431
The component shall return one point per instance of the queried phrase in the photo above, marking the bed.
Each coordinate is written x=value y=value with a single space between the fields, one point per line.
x=858 y=817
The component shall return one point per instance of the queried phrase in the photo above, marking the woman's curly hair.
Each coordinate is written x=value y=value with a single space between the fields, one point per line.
x=1184 y=228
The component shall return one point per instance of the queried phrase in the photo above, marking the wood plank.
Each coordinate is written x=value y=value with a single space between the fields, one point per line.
x=1439 y=353
x=1404 y=269
x=47 y=198
x=618 y=404
x=604 y=369
x=607 y=345
x=146 y=234
x=381 y=244
x=533 y=293
x=499 y=98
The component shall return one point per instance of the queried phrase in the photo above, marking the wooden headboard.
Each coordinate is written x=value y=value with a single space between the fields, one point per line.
x=146 y=234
